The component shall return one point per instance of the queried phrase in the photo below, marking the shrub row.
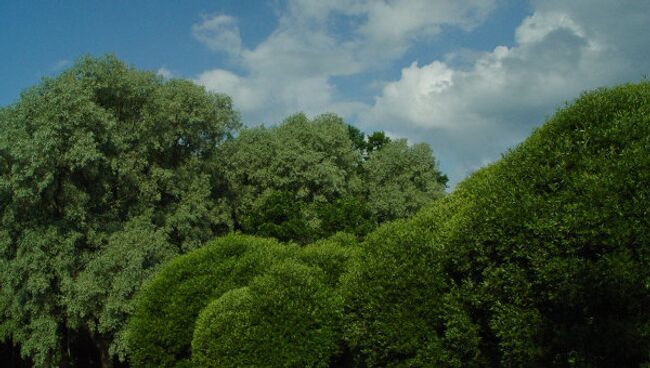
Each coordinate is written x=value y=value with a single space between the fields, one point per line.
x=541 y=259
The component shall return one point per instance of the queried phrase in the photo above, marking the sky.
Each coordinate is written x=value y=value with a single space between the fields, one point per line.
x=470 y=78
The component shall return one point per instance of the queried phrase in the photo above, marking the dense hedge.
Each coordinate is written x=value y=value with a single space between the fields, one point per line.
x=333 y=256
x=285 y=318
x=541 y=259
x=159 y=333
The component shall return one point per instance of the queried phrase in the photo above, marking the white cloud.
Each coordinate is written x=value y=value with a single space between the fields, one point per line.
x=292 y=69
x=534 y=28
x=165 y=73
x=219 y=33
x=409 y=98
x=471 y=115
x=470 y=105
x=392 y=25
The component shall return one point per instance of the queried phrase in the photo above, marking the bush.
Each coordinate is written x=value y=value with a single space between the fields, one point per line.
x=401 y=310
x=288 y=317
x=159 y=333
x=332 y=255
x=541 y=259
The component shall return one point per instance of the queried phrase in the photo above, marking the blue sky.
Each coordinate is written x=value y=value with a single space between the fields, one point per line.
x=471 y=78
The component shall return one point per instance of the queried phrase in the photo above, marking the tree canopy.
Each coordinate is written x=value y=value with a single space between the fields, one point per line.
x=304 y=179
x=287 y=317
x=106 y=172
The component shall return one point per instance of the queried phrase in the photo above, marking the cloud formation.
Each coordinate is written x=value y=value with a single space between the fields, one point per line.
x=219 y=33
x=471 y=116
x=292 y=69
x=470 y=105
x=165 y=73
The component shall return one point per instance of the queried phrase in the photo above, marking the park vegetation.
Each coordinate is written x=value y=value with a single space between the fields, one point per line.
x=140 y=218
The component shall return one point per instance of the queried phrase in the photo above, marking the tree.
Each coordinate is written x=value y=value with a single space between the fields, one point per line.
x=358 y=138
x=307 y=179
x=105 y=172
x=400 y=179
x=541 y=259
x=278 y=177
x=376 y=141
x=159 y=332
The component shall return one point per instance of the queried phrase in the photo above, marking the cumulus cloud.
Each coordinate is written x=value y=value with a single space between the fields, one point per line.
x=471 y=115
x=292 y=69
x=391 y=26
x=219 y=33
x=470 y=105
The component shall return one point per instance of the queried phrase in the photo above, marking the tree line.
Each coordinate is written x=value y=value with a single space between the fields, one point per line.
x=107 y=172
x=309 y=244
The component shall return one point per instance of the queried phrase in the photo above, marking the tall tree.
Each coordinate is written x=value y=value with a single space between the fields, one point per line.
x=105 y=172
x=279 y=177
x=307 y=179
x=400 y=178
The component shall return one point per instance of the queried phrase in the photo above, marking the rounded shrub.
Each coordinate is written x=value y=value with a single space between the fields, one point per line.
x=401 y=309
x=288 y=317
x=159 y=333
x=541 y=259
x=332 y=255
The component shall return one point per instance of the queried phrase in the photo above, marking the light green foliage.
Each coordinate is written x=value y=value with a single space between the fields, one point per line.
x=333 y=255
x=400 y=179
x=278 y=177
x=402 y=310
x=159 y=333
x=307 y=179
x=285 y=318
x=105 y=172
x=541 y=259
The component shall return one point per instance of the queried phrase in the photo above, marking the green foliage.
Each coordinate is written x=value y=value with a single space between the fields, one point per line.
x=358 y=138
x=307 y=179
x=348 y=214
x=278 y=216
x=105 y=172
x=377 y=141
x=369 y=144
x=542 y=259
x=401 y=309
x=278 y=177
x=285 y=318
x=333 y=256
x=159 y=333
x=400 y=179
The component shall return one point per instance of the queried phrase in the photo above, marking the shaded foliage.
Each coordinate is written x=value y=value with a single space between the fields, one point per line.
x=541 y=259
